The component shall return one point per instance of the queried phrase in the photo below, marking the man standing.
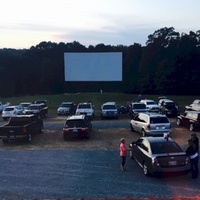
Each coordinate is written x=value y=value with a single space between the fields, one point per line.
x=194 y=158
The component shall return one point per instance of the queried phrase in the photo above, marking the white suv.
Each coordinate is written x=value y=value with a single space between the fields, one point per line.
x=151 y=124
x=86 y=109
x=151 y=105
x=109 y=110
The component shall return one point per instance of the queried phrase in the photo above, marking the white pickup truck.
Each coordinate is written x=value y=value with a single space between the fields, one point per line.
x=2 y=106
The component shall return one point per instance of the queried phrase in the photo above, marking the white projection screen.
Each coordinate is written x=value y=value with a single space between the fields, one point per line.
x=105 y=66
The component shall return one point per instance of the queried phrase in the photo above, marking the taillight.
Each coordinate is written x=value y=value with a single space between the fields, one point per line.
x=65 y=130
x=148 y=126
x=84 y=129
x=24 y=130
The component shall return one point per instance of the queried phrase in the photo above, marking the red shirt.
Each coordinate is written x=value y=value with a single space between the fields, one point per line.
x=122 y=149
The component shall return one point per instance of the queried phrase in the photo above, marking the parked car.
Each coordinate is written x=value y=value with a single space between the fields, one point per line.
x=151 y=105
x=66 y=108
x=77 y=126
x=24 y=105
x=151 y=124
x=189 y=119
x=86 y=108
x=21 y=127
x=11 y=111
x=158 y=155
x=169 y=107
x=109 y=110
x=137 y=107
x=194 y=106
x=37 y=109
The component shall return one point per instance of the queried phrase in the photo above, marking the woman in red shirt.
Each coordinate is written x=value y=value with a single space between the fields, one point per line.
x=123 y=153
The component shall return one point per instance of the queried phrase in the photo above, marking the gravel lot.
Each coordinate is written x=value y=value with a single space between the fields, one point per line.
x=106 y=135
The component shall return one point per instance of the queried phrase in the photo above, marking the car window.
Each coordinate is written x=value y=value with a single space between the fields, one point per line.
x=8 y=109
x=143 y=118
x=145 y=145
x=75 y=123
x=84 y=106
x=106 y=107
x=165 y=147
x=159 y=120
x=139 y=106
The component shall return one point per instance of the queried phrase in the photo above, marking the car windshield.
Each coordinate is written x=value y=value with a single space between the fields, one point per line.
x=107 y=107
x=139 y=106
x=33 y=107
x=65 y=105
x=151 y=103
x=169 y=105
x=159 y=120
x=84 y=106
x=165 y=147
x=75 y=123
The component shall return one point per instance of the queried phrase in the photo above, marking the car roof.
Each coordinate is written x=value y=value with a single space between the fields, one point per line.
x=167 y=100
x=147 y=100
x=157 y=139
x=66 y=102
x=153 y=114
x=110 y=103
x=72 y=117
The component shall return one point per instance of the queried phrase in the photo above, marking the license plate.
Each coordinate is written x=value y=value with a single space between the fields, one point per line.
x=160 y=127
x=75 y=130
x=172 y=163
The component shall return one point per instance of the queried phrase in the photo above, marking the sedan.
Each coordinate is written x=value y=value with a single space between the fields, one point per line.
x=157 y=155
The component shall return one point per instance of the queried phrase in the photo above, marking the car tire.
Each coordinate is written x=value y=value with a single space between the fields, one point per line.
x=143 y=133
x=145 y=169
x=178 y=122
x=191 y=127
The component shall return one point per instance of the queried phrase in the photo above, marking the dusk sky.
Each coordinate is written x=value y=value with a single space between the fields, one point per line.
x=26 y=23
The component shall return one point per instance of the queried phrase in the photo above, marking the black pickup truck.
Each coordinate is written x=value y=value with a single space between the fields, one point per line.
x=21 y=127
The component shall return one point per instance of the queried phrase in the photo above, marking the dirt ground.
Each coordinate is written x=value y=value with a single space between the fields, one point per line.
x=101 y=139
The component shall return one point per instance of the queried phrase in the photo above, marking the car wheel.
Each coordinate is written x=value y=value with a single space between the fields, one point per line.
x=143 y=133
x=131 y=154
x=145 y=169
x=191 y=127
x=178 y=122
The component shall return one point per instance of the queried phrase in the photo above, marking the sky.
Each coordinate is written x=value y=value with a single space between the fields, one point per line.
x=26 y=23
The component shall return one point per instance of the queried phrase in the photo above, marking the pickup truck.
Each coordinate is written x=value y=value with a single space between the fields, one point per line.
x=21 y=127
x=2 y=106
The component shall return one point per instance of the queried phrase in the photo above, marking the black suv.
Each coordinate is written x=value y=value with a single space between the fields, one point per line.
x=77 y=126
x=168 y=107
x=190 y=119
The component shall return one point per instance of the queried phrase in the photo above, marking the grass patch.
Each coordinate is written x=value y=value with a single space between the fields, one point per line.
x=97 y=99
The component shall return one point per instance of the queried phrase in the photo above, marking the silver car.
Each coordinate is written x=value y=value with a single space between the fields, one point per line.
x=151 y=124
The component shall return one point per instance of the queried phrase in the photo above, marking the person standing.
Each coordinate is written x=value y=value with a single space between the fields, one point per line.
x=123 y=153
x=195 y=140
x=139 y=98
x=194 y=158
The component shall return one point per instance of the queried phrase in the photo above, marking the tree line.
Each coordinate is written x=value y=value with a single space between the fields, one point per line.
x=169 y=63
